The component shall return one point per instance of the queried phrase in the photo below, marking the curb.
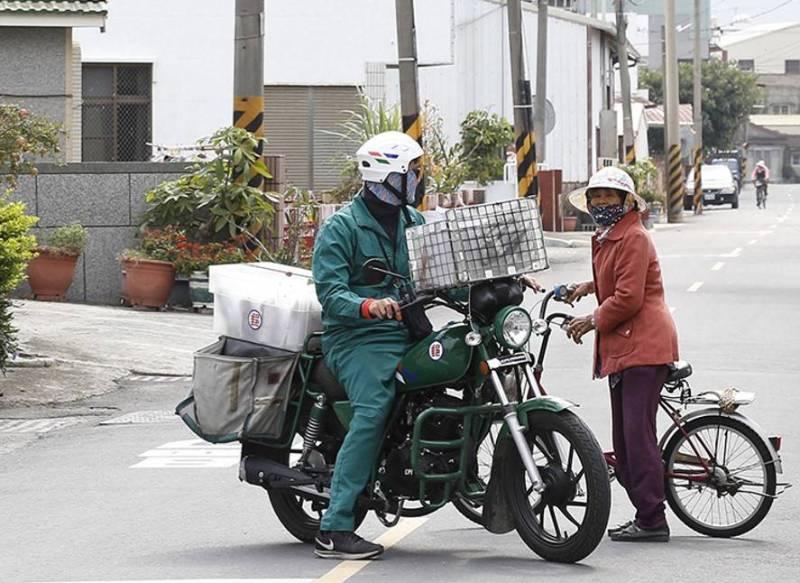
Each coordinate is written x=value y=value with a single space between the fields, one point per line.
x=22 y=360
x=569 y=243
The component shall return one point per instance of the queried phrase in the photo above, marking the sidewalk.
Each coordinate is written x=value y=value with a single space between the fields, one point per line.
x=88 y=347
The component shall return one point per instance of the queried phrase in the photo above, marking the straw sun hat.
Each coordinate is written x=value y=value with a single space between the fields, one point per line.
x=609 y=177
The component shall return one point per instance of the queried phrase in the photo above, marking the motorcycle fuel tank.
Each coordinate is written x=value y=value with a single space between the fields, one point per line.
x=441 y=358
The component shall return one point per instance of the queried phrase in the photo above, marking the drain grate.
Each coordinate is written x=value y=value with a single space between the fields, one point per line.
x=141 y=417
x=37 y=425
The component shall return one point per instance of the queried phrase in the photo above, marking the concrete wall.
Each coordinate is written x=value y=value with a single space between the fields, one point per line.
x=107 y=199
x=33 y=70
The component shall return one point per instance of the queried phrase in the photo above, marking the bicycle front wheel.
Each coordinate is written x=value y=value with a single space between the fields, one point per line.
x=719 y=476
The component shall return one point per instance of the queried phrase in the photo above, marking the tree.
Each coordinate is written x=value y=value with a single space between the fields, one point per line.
x=729 y=96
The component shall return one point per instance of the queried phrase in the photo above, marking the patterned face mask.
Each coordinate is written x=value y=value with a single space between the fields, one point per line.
x=391 y=194
x=608 y=215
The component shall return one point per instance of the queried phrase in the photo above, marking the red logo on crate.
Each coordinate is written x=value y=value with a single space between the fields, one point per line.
x=254 y=319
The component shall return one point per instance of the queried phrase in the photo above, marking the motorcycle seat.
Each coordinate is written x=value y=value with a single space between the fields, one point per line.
x=678 y=370
x=326 y=381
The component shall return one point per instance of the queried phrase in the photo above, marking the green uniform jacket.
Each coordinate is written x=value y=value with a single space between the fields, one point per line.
x=345 y=242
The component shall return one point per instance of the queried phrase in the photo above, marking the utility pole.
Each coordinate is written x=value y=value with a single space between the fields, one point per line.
x=625 y=82
x=539 y=111
x=697 y=107
x=248 y=73
x=674 y=170
x=525 y=139
x=407 y=63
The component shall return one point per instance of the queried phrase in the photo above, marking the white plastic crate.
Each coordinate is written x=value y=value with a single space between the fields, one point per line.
x=267 y=303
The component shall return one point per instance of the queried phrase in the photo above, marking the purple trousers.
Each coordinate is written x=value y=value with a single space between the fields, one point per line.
x=634 y=404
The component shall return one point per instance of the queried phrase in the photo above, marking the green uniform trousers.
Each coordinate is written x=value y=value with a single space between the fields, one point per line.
x=365 y=367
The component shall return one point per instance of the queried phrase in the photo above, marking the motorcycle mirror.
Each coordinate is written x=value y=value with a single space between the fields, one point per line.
x=373 y=272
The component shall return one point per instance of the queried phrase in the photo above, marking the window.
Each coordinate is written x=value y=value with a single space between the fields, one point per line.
x=117 y=110
x=746 y=65
x=781 y=109
x=792 y=66
x=795 y=158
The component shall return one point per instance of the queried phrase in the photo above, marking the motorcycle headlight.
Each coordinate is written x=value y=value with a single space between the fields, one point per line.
x=513 y=327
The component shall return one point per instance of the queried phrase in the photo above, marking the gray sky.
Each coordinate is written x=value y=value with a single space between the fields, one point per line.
x=763 y=11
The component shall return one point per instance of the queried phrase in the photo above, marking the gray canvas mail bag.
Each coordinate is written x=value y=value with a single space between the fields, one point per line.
x=239 y=390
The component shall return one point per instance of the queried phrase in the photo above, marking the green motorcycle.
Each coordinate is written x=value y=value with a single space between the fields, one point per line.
x=457 y=390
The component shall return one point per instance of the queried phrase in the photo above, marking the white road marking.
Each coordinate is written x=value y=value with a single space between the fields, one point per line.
x=735 y=253
x=752 y=242
x=139 y=417
x=695 y=286
x=717 y=266
x=346 y=569
x=190 y=454
x=37 y=425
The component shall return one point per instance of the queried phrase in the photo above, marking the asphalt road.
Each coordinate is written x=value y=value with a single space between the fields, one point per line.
x=139 y=499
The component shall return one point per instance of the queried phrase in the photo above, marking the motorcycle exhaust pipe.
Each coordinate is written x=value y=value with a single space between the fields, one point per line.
x=268 y=473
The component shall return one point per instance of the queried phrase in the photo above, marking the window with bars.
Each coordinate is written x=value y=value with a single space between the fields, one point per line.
x=117 y=112
x=746 y=65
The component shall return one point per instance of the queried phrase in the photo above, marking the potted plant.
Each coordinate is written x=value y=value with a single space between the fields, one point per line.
x=148 y=273
x=193 y=260
x=644 y=174
x=51 y=272
x=484 y=139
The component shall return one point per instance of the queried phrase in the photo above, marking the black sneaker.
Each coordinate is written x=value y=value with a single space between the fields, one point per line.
x=619 y=527
x=634 y=534
x=344 y=545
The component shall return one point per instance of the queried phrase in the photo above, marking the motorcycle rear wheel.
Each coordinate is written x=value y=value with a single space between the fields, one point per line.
x=740 y=492
x=577 y=488
x=296 y=513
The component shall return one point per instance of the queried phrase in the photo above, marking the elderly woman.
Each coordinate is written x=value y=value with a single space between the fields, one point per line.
x=635 y=338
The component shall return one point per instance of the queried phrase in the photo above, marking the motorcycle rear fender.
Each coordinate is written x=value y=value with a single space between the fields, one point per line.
x=776 y=459
x=497 y=517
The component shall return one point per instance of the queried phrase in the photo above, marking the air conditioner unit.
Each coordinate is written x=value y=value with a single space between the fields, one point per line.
x=605 y=162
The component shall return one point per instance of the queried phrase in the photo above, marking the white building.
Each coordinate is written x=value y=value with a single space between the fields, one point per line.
x=765 y=48
x=318 y=54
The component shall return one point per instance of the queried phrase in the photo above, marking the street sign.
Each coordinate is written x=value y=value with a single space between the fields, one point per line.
x=549 y=115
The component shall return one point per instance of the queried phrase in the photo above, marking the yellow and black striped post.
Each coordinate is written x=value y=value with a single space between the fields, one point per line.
x=698 y=181
x=527 y=182
x=630 y=154
x=675 y=183
x=248 y=114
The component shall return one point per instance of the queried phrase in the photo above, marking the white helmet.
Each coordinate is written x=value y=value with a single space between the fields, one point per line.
x=386 y=153
x=608 y=177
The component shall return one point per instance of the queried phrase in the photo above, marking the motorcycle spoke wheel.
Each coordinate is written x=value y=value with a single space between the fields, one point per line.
x=566 y=521
x=735 y=493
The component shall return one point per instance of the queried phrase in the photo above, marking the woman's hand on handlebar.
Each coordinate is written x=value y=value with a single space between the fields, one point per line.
x=578 y=291
x=385 y=309
x=578 y=327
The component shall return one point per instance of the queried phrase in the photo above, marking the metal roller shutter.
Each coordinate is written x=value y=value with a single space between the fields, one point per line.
x=296 y=117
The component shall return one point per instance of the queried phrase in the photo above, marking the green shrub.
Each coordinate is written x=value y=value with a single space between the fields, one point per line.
x=484 y=138
x=69 y=239
x=16 y=249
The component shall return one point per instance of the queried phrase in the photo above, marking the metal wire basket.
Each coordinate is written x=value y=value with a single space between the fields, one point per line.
x=477 y=243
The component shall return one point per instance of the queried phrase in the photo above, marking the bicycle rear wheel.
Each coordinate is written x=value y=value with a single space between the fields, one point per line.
x=736 y=492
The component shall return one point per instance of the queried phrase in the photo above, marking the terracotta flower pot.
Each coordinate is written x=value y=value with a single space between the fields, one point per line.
x=50 y=274
x=570 y=223
x=147 y=282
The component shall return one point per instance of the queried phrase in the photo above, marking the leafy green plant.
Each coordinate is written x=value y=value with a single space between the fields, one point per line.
x=69 y=240
x=16 y=249
x=644 y=174
x=296 y=246
x=22 y=136
x=369 y=119
x=484 y=138
x=444 y=167
x=213 y=202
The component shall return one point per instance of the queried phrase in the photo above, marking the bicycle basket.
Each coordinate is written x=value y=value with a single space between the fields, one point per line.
x=477 y=243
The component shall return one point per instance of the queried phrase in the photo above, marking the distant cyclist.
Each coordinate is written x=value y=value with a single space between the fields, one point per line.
x=760 y=178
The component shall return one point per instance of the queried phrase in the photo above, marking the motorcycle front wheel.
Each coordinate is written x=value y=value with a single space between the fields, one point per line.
x=567 y=520
x=735 y=493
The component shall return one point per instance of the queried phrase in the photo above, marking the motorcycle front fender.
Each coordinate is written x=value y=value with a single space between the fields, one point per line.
x=714 y=412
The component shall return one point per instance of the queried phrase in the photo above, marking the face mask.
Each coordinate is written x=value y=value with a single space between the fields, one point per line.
x=398 y=189
x=605 y=216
